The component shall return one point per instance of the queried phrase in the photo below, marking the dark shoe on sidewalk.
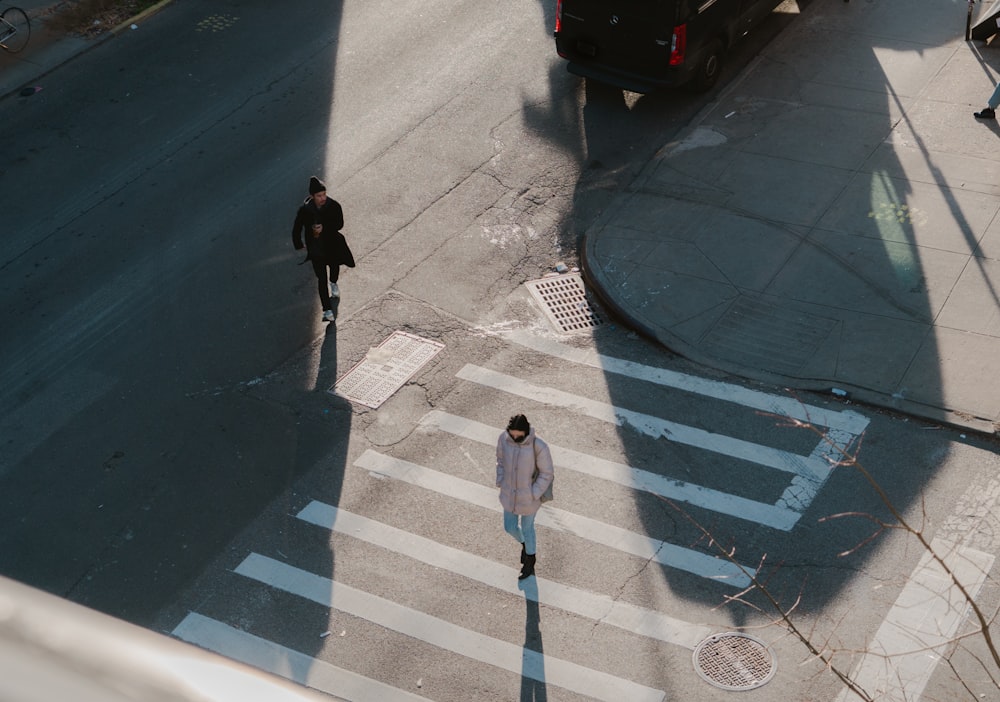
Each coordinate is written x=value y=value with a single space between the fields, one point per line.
x=528 y=569
x=985 y=113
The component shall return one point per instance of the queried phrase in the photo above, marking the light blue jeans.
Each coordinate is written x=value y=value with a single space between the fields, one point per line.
x=994 y=101
x=525 y=533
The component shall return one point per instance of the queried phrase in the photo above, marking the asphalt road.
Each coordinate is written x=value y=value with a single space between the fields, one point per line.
x=163 y=370
x=147 y=271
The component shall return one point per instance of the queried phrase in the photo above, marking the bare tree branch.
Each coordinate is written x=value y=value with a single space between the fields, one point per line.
x=846 y=456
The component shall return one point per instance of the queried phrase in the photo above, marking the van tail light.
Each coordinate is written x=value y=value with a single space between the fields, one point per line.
x=678 y=45
x=558 y=16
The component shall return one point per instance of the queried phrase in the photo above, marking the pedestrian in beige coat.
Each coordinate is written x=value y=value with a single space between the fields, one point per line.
x=524 y=473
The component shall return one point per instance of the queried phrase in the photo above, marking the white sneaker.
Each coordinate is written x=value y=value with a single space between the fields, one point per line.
x=328 y=316
x=334 y=290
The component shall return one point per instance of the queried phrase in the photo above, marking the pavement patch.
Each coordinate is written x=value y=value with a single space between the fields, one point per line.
x=386 y=368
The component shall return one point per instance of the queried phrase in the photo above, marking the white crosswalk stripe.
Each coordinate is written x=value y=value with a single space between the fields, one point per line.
x=649 y=425
x=644 y=547
x=281 y=660
x=638 y=620
x=775 y=516
x=445 y=635
x=841 y=428
x=847 y=421
x=803 y=475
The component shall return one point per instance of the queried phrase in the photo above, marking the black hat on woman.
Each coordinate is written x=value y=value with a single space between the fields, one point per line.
x=519 y=423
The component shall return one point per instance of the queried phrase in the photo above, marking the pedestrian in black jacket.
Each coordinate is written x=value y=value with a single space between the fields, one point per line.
x=322 y=218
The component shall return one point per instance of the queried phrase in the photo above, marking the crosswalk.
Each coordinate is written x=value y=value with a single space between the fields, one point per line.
x=804 y=475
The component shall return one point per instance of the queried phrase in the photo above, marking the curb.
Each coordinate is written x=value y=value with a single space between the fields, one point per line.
x=145 y=14
x=855 y=394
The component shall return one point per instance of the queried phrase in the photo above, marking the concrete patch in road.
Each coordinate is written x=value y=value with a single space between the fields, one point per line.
x=386 y=368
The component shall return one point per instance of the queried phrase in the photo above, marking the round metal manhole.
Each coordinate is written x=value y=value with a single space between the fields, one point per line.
x=734 y=661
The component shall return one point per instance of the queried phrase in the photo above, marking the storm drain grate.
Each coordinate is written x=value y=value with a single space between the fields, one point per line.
x=386 y=368
x=564 y=300
x=734 y=661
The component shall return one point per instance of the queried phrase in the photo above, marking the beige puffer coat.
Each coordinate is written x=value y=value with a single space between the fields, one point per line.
x=515 y=467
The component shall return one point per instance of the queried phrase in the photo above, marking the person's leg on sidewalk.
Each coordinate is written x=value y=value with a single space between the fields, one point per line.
x=322 y=287
x=334 y=276
x=989 y=112
x=528 y=530
x=510 y=525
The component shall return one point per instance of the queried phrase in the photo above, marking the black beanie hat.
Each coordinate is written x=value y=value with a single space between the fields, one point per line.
x=316 y=185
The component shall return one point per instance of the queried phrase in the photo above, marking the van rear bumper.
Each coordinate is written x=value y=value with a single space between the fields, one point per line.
x=620 y=80
x=626 y=81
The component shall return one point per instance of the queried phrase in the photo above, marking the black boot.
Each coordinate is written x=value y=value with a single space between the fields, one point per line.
x=528 y=569
x=523 y=552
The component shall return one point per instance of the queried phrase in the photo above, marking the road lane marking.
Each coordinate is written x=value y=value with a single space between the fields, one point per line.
x=655 y=427
x=696 y=562
x=602 y=609
x=920 y=625
x=802 y=489
x=285 y=662
x=846 y=420
x=445 y=635
x=775 y=516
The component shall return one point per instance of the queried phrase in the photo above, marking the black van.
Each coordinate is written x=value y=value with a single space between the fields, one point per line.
x=642 y=45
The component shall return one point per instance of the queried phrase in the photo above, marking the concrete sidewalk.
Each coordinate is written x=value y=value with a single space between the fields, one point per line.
x=47 y=49
x=833 y=220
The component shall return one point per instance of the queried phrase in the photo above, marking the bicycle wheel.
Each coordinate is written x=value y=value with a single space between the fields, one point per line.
x=15 y=30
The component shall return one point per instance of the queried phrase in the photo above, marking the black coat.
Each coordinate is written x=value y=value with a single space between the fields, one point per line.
x=331 y=246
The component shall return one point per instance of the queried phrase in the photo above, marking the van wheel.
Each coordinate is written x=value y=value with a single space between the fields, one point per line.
x=709 y=69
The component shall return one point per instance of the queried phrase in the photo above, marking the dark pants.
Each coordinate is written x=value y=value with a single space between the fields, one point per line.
x=323 y=282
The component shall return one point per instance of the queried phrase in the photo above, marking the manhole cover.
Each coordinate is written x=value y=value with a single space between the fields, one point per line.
x=734 y=661
x=564 y=300
x=386 y=368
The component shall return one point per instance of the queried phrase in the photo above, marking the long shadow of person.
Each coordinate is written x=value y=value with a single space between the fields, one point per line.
x=533 y=658
x=326 y=371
